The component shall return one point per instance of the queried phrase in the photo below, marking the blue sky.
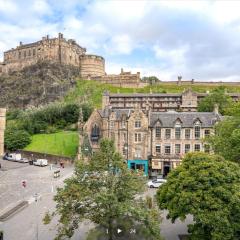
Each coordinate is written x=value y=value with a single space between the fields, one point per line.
x=195 y=39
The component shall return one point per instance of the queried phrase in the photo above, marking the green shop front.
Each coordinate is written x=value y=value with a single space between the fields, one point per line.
x=138 y=165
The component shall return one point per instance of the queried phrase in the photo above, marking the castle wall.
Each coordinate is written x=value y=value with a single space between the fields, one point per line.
x=2 y=128
x=92 y=66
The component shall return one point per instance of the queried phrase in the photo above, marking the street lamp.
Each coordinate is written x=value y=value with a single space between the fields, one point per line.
x=36 y=200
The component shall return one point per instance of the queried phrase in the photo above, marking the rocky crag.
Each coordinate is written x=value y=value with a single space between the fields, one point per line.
x=36 y=85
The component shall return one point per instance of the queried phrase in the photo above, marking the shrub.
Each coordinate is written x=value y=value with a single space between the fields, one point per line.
x=16 y=139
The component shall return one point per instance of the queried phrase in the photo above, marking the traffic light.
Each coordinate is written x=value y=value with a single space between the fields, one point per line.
x=24 y=183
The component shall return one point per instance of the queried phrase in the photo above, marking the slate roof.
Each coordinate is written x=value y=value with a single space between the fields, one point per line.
x=187 y=119
x=168 y=119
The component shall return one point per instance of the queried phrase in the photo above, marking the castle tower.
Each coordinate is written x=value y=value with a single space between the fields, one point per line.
x=2 y=128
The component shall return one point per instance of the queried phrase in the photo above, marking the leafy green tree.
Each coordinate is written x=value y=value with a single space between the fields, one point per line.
x=151 y=80
x=104 y=192
x=217 y=96
x=207 y=187
x=226 y=140
x=16 y=139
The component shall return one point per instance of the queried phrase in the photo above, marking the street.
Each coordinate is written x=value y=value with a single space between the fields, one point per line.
x=27 y=224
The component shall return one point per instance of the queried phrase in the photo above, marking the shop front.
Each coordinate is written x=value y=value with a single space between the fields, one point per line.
x=139 y=165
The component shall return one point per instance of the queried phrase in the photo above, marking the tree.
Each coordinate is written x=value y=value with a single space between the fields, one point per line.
x=16 y=139
x=151 y=80
x=207 y=187
x=226 y=140
x=104 y=192
x=217 y=96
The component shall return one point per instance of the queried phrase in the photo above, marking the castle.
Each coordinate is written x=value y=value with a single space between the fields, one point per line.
x=66 y=52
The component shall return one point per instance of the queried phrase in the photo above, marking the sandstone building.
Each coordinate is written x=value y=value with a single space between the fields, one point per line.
x=2 y=128
x=151 y=141
x=159 y=102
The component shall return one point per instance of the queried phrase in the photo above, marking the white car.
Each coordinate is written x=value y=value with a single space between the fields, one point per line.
x=156 y=183
x=40 y=162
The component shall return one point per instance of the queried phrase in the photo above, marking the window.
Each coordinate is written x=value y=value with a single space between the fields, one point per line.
x=138 y=137
x=111 y=124
x=177 y=132
x=197 y=132
x=187 y=133
x=34 y=52
x=138 y=152
x=95 y=134
x=197 y=147
x=158 y=132
x=177 y=148
x=124 y=151
x=19 y=55
x=187 y=148
x=124 y=137
x=24 y=53
x=168 y=133
x=123 y=124
x=29 y=52
x=167 y=149
x=137 y=124
x=158 y=149
x=207 y=132
x=206 y=148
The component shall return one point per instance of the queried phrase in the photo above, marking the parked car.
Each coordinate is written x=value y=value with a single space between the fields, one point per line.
x=40 y=162
x=15 y=157
x=156 y=183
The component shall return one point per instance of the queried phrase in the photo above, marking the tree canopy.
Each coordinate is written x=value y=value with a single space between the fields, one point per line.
x=217 y=96
x=207 y=187
x=107 y=193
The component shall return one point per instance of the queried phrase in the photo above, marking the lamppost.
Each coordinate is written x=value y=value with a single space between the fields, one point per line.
x=36 y=200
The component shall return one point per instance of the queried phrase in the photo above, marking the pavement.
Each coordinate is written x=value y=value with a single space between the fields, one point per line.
x=27 y=224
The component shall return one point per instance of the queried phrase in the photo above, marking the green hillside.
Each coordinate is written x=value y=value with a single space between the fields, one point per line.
x=60 y=143
x=91 y=91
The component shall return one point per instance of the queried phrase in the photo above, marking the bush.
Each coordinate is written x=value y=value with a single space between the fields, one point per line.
x=16 y=139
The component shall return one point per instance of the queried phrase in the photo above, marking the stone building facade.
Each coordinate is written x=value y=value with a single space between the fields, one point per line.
x=2 y=128
x=153 y=142
x=159 y=102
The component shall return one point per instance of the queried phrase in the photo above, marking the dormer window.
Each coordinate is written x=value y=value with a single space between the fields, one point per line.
x=158 y=132
x=178 y=130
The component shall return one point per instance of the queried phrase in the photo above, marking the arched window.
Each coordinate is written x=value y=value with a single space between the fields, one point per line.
x=95 y=134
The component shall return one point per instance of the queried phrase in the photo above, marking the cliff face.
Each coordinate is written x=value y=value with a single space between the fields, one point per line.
x=36 y=85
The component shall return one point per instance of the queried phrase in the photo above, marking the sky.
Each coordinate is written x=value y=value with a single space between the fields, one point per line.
x=195 y=39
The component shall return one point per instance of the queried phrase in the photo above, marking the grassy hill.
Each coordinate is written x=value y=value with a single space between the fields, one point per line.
x=60 y=143
x=91 y=91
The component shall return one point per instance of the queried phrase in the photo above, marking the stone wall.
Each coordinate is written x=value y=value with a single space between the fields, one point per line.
x=92 y=66
x=124 y=79
x=2 y=128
